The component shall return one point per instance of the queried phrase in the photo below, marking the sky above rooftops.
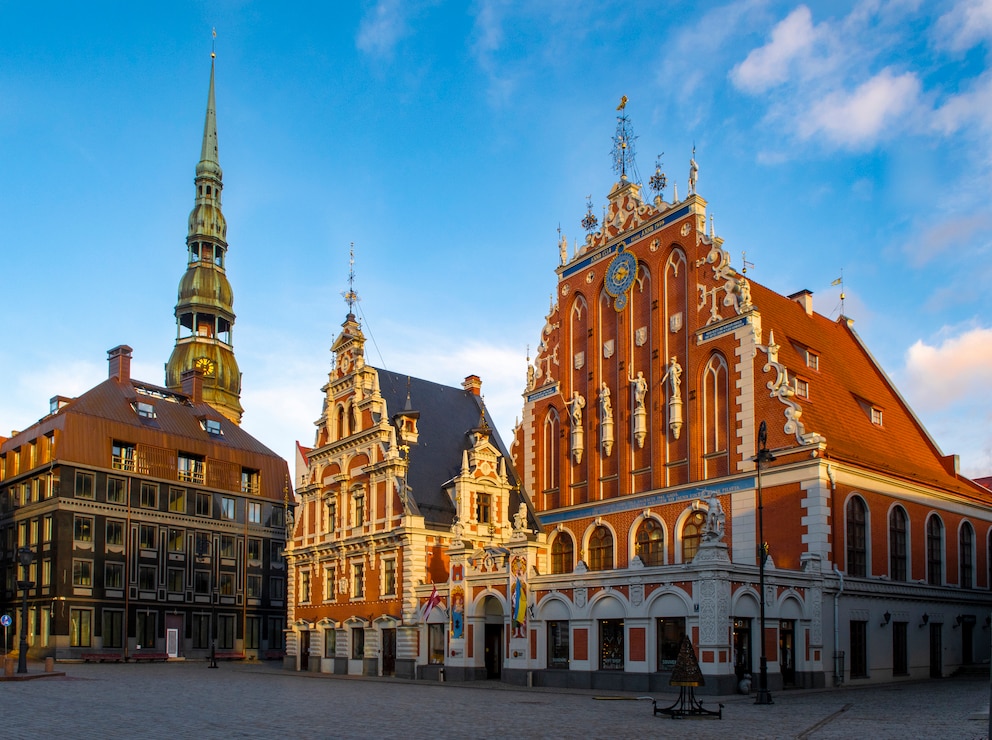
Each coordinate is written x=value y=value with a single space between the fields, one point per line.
x=449 y=141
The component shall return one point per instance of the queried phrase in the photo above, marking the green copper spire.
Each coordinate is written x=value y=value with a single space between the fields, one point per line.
x=205 y=310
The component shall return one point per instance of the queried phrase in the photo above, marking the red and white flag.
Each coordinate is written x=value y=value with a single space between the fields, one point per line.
x=433 y=600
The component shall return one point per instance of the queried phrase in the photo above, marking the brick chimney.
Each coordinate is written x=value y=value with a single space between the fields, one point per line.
x=805 y=299
x=192 y=382
x=473 y=384
x=120 y=363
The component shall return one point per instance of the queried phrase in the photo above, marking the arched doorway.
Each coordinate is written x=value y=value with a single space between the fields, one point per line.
x=493 y=646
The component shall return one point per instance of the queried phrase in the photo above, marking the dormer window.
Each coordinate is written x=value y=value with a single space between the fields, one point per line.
x=144 y=409
x=876 y=416
x=812 y=360
x=801 y=388
x=483 y=508
x=190 y=468
x=212 y=426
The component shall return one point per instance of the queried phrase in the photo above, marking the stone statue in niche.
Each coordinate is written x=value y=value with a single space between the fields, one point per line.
x=640 y=417
x=674 y=376
x=575 y=407
x=605 y=420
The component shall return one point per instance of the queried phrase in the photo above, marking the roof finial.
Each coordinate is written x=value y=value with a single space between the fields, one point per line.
x=213 y=43
x=350 y=296
x=623 y=144
x=693 y=171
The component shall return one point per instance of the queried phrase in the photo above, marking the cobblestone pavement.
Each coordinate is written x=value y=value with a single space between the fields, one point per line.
x=180 y=700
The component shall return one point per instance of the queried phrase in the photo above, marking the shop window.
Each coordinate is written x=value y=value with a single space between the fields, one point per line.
x=611 y=645
x=558 y=644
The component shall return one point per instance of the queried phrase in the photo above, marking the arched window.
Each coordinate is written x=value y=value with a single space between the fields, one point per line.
x=562 y=553
x=967 y=561
x=342 y=430
x=856 y=545
x=692 y=530
x=650 y=543
x=935 y=551
x=716 y=418
x=897 y=544
x=601 y=549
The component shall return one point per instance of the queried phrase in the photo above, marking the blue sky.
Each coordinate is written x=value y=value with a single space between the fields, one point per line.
x=448 y=141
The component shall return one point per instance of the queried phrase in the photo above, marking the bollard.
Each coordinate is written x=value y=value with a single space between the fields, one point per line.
x=49 y=665
x=8 y=667
x=440 y=675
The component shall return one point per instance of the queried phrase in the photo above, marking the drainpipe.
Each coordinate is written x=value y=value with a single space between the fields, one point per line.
x=838 y=673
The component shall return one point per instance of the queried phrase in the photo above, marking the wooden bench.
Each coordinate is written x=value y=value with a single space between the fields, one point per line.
x=274 y=655
x=149 y=656
x=101 y=657
x=227 y=655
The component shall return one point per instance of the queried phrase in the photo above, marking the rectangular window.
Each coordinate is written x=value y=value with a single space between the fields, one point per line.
x=900 y=655
x=278 y=517
x=859 y=650
x=147 y=577
x=212 y=426
x=80 y=628
x=145 y=632
x=203 y=501
x=254 y=586
x=249 y=481
x=436 y=634
x=227 y=546
x=253 y=633
x=34 y=531
x=201 y=582
x=359 y=510
x=146 y=536
x=330 y=642
x=276 y=628
x=145 y=410
x=115 y=532
x=82 y=573
x=275 y=552
x=113 y=576
x=46 y=573
x=330 y=583
x=304 y=587
x=177 y=500
x=84 y=485
x=611 y=644
x=225 y=631
x=122 y=456
x=671 y=630
x=254 y=550
x=358 y=580
x=113 y=629
x=558 y=644
x=175 y=581
x=254 y=512
x=332 y=516
x=177 y=540
x=227 y=584
x=483 y=508
x=358 y=641
x=812 y=360
x=190 y=468
x=203 y=546
x=116 y=488
x=876 y=416
x=149 y=496
x=802 y=388
x=82 y=528
x=389 y=577
x=201 y=631
x=227 y=507
x=277 y=589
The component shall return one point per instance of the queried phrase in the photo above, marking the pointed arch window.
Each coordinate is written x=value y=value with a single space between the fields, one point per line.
x=562 y=553
x=716 y=418
x=342 y=429
x=857 y=548
x=967 y=558
x=935 y=551
x=649 y=543
x=550 y=451
x=601 y=549
x=692 y=532
x=897 y=544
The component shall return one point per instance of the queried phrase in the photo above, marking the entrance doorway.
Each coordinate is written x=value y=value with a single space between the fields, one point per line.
x=304 y=650
x=787 y=651
x=388 y=652
x=742 y=648
x=494 y=650
x=967 y=639
x=936 y=650
x=173 y=629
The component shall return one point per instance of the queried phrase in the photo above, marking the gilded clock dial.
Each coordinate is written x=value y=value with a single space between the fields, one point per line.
x=621 y=273
x=205 y=364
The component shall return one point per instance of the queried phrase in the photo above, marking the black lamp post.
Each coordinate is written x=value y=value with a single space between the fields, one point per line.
x=26 y=557
x=763 y=696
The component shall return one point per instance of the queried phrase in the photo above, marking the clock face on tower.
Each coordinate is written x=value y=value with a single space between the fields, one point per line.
x=205 y=364
x=620 y=276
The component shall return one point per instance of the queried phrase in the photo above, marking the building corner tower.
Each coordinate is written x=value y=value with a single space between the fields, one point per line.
x=205 y=309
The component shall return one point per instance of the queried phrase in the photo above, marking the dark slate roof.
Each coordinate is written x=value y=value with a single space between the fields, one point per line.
x=447 y=416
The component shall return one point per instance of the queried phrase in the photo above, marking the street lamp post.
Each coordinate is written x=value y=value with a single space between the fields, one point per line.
x=26 y=557
x=763 y=696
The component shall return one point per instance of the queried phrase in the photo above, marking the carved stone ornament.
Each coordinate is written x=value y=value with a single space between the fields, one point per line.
x=686 y=228
x=609 y=347
x=675 y=322
x=565 y=289
x=636 y=593
x=579 y=360
x=590 y=276
x=581 y=595
x=641 y=336
x=782 y=389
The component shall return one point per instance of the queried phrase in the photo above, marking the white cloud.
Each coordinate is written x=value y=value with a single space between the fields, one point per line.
x=770 y=65
x=946 y=235
x=967 y=24
x=856 y=118
x=972 y=105
x=958 y=368
x=382 y=28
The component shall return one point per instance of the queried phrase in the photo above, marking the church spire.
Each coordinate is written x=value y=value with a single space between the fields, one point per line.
x=205 y=310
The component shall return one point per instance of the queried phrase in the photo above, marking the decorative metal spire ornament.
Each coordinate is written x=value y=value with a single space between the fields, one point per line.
x=350 y=296
x=589 y=221
x=658 y=180
x=623 y=144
